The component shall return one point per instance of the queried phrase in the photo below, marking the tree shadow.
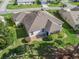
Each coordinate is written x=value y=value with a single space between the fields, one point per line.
x=46 y=50
x=59 y=42
x=21 y=31
x=15 y=52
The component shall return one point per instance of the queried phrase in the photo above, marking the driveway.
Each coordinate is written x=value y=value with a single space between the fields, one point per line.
x=44 y=4
x=69 y=5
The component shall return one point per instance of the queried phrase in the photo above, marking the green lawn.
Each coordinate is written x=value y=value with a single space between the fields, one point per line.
x=55 y=5
x=75 y=3
x=11 y=6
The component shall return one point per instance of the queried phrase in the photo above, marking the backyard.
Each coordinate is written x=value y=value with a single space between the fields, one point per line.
x=63 y=39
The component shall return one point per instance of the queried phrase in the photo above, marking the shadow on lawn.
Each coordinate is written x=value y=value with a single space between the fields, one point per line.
x=21 y=32
x=16 y=52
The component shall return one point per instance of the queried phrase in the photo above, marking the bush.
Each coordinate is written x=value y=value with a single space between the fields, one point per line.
x=60 y=35
x=26 y=40
x=38 y=2
x=2 y=43
x=49 y=38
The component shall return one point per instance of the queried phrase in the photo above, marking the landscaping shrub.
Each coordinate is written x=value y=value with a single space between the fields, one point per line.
x=26 y=40
x=60 y=35
x=59 y=42
x=49 y=38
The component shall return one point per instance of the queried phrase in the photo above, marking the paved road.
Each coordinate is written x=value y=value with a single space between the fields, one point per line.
x=69 y=5
x=3 y=8
x=33 y=9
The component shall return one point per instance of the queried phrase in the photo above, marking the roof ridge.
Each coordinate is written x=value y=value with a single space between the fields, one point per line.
x=72 y=16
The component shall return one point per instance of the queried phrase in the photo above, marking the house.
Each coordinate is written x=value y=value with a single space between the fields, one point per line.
x=71 y=16
x=25 y=2
x=38 y=22
x=75 y=0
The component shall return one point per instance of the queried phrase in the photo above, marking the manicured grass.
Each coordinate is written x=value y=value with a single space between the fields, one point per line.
x=11 y=6
x=75 y=3
x=55 y=5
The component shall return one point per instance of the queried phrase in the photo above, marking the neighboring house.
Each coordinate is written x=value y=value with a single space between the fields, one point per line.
x=71 y=17
x=25 y=1
x=46 y=1
x=75 y=0
x=38 y=22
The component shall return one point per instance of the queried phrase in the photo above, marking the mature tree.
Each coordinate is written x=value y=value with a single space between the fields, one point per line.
x=15 y=2
x=7 y=35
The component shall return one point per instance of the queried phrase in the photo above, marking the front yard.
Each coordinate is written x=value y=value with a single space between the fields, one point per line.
x=55 y=5
x=75 y=3
x=12 y=6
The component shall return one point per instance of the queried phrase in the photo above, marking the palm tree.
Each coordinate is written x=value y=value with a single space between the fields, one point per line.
x=15 y=3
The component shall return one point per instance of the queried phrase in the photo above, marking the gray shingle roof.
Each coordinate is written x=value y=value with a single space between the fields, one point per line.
x=37 y=20
x=75 y=15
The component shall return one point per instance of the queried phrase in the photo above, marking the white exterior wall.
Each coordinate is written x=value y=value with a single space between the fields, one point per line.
x=39 y=32
x=24 y=3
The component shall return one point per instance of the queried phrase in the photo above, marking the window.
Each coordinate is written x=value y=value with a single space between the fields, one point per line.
x=31 y=33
